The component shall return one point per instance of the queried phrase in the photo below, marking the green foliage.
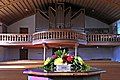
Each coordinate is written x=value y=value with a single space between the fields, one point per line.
x=80 y=65
x=61 y=53
x=77 y=64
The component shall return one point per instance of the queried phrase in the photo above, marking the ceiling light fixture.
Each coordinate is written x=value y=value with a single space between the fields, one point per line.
x=26 y=9
x=93 y=10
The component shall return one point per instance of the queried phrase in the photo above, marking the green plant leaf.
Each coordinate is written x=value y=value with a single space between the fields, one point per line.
x=59 y=53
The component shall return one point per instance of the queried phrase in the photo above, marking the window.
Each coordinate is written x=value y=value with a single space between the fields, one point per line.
x=118 y=27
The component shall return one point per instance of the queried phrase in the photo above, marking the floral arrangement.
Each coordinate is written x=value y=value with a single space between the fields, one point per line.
x=62 y=57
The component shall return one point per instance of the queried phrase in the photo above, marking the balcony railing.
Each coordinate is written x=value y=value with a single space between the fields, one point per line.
x=15 y=38
x=103 y=38
x=59 y=35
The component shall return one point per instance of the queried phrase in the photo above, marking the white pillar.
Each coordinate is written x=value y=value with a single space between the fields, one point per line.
x=76 y=47
x=44 y=55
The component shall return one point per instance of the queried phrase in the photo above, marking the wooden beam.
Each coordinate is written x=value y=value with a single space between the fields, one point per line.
x=10 y=3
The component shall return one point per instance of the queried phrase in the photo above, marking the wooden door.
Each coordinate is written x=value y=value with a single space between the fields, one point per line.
x=23 y=54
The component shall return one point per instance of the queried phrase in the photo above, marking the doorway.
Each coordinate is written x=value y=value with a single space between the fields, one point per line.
x=23 y=54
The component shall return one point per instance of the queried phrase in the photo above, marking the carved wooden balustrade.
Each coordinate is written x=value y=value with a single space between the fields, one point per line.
x=103 y=39
x=7 y=39
x=56 y=36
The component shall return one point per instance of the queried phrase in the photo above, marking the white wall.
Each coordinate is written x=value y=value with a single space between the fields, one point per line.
x=38 y=53
x=85 y=53
x=35 y=54
x=28 y=22
x=1 y=53
x=116 y=56
x=11 y=54
x=95 y=53
x=41 y=23
x=94 y=23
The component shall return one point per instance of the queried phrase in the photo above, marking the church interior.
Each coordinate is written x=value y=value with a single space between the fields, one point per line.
x=30 y=30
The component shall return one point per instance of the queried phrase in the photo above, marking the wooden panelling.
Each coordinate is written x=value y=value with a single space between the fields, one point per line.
x=107 y=11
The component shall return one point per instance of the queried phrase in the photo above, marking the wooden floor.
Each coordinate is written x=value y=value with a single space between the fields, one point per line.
x=112 y=69
x=12 y=75
x=13 y=70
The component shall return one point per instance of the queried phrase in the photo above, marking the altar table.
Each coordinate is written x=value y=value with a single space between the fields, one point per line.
x=37 y=74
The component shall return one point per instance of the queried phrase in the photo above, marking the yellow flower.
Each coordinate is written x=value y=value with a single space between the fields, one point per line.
x=58 y=61
x=47 y=61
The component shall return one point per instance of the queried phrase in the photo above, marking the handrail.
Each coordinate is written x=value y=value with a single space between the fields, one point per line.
x=60 y=35
x=65 y=34
x=15 y=37
x=103 y=37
